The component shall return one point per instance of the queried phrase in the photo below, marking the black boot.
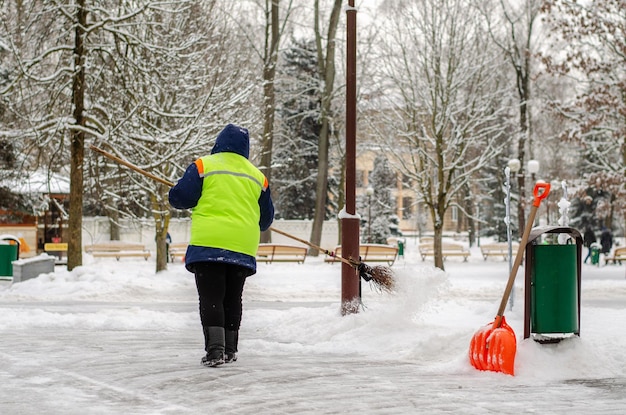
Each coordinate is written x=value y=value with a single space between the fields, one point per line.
x=214 y=346
x=232 y=338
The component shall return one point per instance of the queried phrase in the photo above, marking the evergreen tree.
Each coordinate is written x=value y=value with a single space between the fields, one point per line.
x=294 y=176
x=383 y=205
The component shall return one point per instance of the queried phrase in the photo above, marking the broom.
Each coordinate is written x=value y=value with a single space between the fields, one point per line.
x=380 y=276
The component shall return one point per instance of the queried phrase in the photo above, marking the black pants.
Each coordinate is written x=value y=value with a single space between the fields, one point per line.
x=220 y=287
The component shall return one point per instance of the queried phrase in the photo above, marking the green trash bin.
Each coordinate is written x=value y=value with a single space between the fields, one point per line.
x=401 y=247
x=554 y=289
x=552 y=284
x=8 y=253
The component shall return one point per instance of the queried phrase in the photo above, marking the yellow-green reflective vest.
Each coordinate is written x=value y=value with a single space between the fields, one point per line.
x=227 y=214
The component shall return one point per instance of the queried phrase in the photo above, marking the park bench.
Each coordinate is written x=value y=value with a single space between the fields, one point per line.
x=117 y=250
x=618 y=256
x=370 y=253
x=497 y=249
x=269 y=253
x=178 y=250
x=447 y=250
x=58 y=250
x=425 y=240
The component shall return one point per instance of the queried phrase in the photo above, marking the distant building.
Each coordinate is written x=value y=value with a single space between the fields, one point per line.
x=37 y=212
x=413 y=216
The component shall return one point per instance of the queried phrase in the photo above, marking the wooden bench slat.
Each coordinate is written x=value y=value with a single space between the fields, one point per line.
x=121 y=254
x=114 y=247
x=370 y=253
x=447 y=249
x=497 y=249
x=117 y=250
x=618 y=256
x=269 y=253
x=178 y=249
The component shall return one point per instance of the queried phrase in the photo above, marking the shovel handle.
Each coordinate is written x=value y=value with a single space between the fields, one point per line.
x=541 y=191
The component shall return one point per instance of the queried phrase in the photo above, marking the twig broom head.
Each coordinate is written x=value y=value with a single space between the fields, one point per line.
x=382 y=277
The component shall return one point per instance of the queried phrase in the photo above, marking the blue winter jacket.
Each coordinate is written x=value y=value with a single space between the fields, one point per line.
x=187 y=192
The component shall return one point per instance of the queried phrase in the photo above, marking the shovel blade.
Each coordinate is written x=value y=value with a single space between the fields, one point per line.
x=493 y=348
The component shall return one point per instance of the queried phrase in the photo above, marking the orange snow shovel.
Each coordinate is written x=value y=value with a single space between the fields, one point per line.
x=493 y=346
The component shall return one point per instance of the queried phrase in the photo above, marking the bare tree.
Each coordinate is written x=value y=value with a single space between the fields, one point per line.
x=270 y=57
x=162 y=120
x=588 y=46
x=512 y=28
x=143 y=77
x=276 y=17
x=53 y=80
x=326 y=48
x=444 y=109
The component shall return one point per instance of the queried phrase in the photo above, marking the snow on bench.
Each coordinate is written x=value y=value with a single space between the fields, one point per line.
x=117 y=250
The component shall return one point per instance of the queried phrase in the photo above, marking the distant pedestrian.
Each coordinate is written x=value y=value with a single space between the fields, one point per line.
x=606 y=240
x=168 y=241
x=588 y=239
x=232 y=204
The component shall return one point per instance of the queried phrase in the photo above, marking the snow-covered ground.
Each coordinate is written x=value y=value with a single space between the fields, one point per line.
x=116 y=338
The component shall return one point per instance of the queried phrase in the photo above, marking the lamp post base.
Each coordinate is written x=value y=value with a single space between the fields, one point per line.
x=350 y=296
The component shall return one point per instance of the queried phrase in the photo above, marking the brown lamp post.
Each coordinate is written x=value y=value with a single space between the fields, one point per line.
x=350 y=300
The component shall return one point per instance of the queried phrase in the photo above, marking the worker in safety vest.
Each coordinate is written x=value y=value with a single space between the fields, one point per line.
x=231 y=204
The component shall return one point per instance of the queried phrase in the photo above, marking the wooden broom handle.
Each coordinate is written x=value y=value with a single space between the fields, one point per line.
x=131 y=166
x=170 y=184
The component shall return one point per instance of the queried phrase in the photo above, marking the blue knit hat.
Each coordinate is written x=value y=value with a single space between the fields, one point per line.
x=233 y=139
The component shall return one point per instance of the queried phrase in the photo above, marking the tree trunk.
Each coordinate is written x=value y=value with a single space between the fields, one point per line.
x=437 y=246
x=114 y=224
x=321 y=189
x=326 y=68
x=269 y=99
x=471 y=223
x=161 y=225
x=77 y=146
x=521 y=182
x=161 y=246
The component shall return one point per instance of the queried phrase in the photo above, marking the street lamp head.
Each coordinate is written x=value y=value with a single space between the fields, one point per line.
x=515 y=165
x=533 y=166
x=369 y=191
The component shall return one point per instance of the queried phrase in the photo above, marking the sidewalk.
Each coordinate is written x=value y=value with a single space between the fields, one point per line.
x=136 y=350
x=142 y=372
